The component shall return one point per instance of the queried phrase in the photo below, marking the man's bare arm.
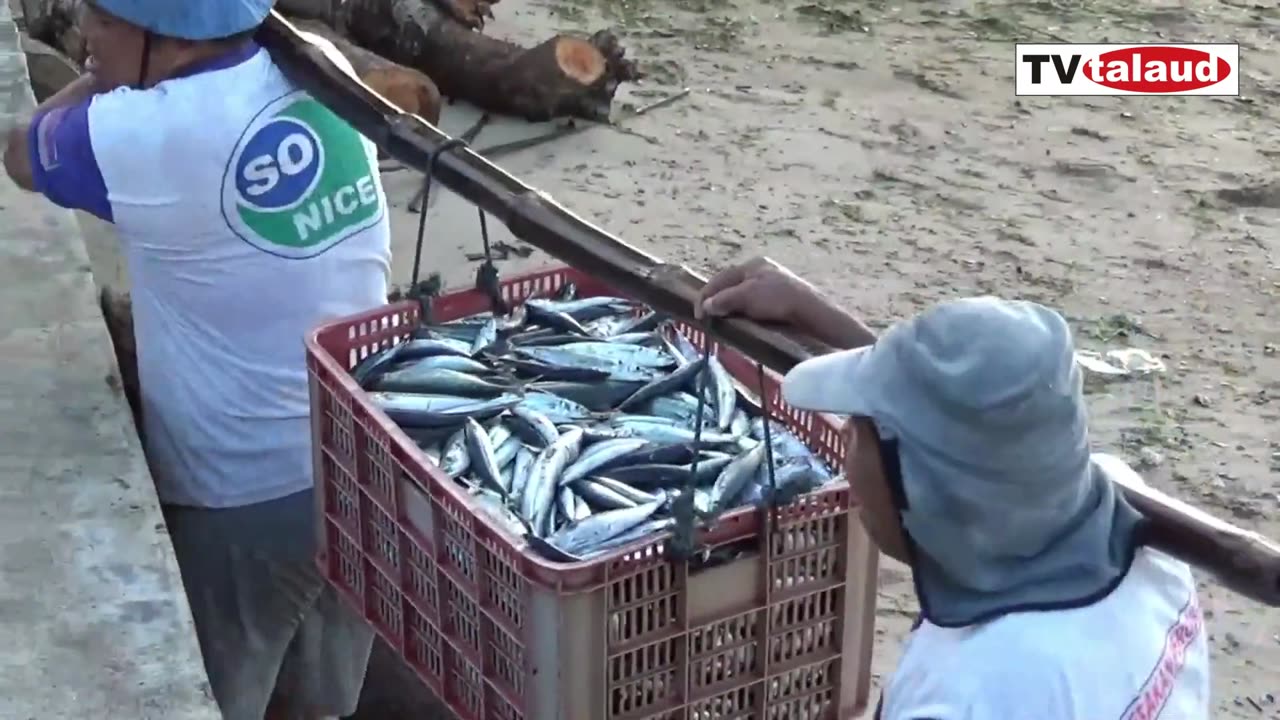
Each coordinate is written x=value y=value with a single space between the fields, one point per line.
x=832 y=325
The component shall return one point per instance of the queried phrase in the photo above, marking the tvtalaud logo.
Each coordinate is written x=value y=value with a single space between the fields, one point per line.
x=299 y=181
x=1085 y=70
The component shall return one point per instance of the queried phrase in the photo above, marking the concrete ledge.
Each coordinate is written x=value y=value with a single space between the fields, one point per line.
x=93 y=619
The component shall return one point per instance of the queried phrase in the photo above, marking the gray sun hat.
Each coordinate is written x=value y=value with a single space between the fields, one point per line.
x=1004 y=510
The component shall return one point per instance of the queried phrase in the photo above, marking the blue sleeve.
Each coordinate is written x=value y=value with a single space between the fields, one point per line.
x=62 y=162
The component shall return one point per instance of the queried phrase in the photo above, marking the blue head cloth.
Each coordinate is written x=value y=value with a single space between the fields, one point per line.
x=1005 y=509
x=190 y=19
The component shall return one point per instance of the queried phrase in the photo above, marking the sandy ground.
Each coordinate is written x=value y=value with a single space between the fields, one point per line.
x=879 y=150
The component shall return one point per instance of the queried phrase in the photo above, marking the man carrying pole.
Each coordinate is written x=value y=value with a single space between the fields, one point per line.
x=969 y=452
x=248 y=214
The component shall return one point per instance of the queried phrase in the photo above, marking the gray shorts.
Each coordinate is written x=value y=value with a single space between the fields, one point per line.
x=264 y=615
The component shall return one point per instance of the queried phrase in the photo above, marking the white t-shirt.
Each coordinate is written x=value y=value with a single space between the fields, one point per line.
x=1138 y=654
x=248 y=214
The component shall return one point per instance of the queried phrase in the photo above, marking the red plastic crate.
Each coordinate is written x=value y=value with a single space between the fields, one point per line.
x=500 y=633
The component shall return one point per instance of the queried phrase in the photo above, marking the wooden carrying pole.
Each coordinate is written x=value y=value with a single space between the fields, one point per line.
x=1243 y=561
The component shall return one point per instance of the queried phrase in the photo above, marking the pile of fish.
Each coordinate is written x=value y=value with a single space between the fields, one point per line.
x=575 y=422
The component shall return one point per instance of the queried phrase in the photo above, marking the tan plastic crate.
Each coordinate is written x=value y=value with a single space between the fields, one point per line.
x=784 y=629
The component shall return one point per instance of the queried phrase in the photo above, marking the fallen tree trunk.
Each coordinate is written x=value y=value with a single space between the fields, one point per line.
x=406 y=49
x=565 y=75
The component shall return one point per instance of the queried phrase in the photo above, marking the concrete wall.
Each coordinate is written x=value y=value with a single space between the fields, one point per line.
x=93 y=619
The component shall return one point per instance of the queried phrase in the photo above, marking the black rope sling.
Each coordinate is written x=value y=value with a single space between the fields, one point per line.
x=682 y=545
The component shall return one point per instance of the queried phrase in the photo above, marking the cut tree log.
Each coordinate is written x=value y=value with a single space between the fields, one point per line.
x=420 y=41
x=564 y=76
x=406 y=88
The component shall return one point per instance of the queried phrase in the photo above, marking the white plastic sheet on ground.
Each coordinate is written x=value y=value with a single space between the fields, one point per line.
x=1124 y=362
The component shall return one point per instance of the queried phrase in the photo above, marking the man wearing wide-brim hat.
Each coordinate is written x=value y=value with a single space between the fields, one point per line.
x=969 y=453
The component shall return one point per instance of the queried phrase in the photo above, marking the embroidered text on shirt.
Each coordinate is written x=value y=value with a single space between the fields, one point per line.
x=1159 y=686
x=46 y=142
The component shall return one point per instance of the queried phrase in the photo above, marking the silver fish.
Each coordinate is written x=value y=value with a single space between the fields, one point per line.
x=615 y=365
x=532 y=426
x=702 y=501
x=431 y=346
x=651 y=476
x=492 y=505
x=550 y=376
x=554 y=319
x=669 y=434
x=585 y=534
x=665 y=341
x=433 y=381
x=646 y=323
x=792 y=475
x=600 y=396
x=625 y=354
x=505 y=454
x=648 y=528
x=736 y=476
x=482 y=458
x=448 y=362
x=555 y=408
x=567 y=503
x=726 y=394
x=607 y=326
x=414 y=410
x=665 y=385
x=594 y=414
x=376 y=364
x=455 y=460
x=598 y=455
x=520 y=468
x=644 y=419
x=636 y=496
x=709 y=467
x=499 y=433
x=685 y=347
x=682 y=407
x=541 y=489
x=581 y=510
x=602 y=496
x=487 y=336
x=599 y=306
x=785 y=442
x=637 y=338
x=755 y=493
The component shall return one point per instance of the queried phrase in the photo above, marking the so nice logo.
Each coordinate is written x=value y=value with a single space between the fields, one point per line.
x=1070 y=69
x=299 y=181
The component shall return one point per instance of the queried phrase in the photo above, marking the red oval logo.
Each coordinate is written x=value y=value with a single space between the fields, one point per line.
x=1157 y=69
